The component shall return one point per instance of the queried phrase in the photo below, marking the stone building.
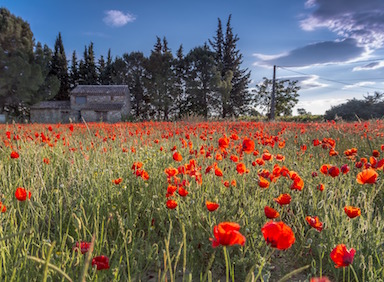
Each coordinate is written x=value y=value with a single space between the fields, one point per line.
x=108 y=103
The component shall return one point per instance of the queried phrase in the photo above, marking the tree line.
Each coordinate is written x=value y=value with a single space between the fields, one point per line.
x=207 y=81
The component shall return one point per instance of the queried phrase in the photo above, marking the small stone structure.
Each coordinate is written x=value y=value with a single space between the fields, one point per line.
x=108 y=103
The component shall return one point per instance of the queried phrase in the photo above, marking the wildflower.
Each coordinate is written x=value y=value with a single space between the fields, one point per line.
x=211 y=206
x=271 y=213
x=82 y=246
x=314 y=222
x=267 y=156
x=182 y=192
x=248 y=145
x=283 y=199
x=278 y=235
x=345 y=168
x=352 y=212
x=318 y=279
x=46 y=160
x=263 y=183
x=21 y=194
x=177 y=157
x=171 y=204
x=117 y=181
x=101 y=262
x=367 y=176
x=227 y=234
x=240 y=168
x=223 y=142
x=341 y=256
x=218 y=172
x=234 y=158
x=333 y=171
x=3 y=208
x=14 y=155
x=320 y=187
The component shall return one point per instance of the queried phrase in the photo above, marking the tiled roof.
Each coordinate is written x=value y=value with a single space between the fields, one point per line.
x=100 y=90
x=103 y=107
x=59 y=105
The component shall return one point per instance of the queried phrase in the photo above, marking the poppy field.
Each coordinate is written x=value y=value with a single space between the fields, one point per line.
x=192 y=201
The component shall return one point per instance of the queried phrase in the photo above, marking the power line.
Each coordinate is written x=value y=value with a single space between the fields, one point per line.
x=331 y=80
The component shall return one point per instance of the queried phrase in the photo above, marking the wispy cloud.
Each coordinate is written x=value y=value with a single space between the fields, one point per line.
x=357 y=19
x=359 y=84
x=370 y=66
x=117 y=18
x=321 y=53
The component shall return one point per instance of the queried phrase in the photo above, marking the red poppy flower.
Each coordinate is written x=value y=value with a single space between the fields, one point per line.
x=315 y=142
x=218 y=172
x=367 y=176
x=278 y=235
x=117 y=181
x=267 y=156
x=182 y=192
x=223 y=142
x=334 y=171
x=136 y=165
x=322 y=279
x=233 y=183
x=3 y=208
x=314 y=222
x=227 y=234
x=352 y=212
x=376 y=153
x=171 y=204
x=82 y=246
x=21 y=194
x=101 y=262
x=271 y=213
x=171 y=171
x=234 y=158
x=324 y=168
x=211 y=206
x=345 y=168
x=14 y=155
x=226 y=183
x=240 y=168
x=341 y=256
x=248 y=145
x=320 y=187
x=283 y=199
x=177 y=157
x=263 y=183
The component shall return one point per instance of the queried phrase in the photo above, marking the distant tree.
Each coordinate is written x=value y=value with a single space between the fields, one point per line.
x=160 y=79
x=20 y=71
x=59 y=68
x=135 y=73
x=286 y=96
x=228 y=62
x=302 y=112
x=372 y=107
x=105 y=75
x=201 y=83
x=74 y=75
x=51 y=85
x=91 y=65
x=179 y=66
x=100 y=70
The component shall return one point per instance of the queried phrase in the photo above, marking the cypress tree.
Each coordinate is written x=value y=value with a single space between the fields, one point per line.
x=59 y=68
x=228 y=61
x=74 y=72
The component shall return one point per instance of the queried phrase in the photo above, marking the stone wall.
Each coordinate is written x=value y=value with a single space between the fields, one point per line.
x=50 y=116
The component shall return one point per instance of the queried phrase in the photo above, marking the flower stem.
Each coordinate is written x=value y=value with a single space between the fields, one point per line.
x=354 y=273
x=226 y=264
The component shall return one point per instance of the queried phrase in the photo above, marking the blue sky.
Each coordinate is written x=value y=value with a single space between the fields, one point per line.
x=335 y=48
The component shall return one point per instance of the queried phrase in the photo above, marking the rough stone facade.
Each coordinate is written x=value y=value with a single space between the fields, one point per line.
x=93 y=103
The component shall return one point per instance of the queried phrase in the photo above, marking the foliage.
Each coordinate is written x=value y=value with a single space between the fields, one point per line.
x=59 y=68
x=286 y=96
x=371 y=107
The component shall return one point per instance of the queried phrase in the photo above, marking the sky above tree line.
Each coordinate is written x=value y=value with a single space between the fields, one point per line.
x=334 y=48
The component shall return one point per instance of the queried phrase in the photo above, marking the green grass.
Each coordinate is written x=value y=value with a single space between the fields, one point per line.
x=74 y=199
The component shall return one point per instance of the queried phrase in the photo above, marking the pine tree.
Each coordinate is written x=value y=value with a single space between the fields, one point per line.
x=201 y=97
x=228 y=61
x=74 y=72
x=100 y=70
x=91 y=66
x=179 y=84
x=59 y=68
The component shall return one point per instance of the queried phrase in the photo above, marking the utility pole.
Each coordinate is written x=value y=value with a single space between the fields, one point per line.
x=272 y=112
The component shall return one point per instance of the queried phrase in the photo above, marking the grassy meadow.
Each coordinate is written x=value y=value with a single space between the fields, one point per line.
x=141 y=201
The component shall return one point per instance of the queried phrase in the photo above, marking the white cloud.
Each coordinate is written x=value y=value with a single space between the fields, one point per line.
x=117 y=18
x=357 y=19
x=359 y=84
x=370 y=66
x=318 y=106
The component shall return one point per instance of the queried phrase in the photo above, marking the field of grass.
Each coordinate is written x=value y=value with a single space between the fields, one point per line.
x=130 y=201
